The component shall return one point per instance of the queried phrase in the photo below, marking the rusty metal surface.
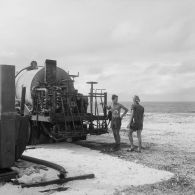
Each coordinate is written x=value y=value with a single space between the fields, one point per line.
x=7 y=88
x=7 y=116
x=22 y=135
x=13 y=127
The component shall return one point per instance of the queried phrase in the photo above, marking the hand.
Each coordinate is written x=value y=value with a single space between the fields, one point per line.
x=122 y=116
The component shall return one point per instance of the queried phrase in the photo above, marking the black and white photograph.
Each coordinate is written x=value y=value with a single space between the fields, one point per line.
x=97 y=97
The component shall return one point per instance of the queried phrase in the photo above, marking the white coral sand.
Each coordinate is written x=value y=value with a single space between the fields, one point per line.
x=111 y=173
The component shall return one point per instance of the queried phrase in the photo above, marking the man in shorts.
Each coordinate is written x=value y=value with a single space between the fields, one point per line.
x=116 y=119
x=136 y=122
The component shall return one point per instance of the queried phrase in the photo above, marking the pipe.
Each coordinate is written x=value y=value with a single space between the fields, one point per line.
x=58 y=181
x=47 y=164
x=59 y=168
x=25 y=69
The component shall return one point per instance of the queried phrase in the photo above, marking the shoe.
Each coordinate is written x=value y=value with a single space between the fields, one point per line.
x=131 y=149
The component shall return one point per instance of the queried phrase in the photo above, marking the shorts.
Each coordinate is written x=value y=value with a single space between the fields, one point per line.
x=136 y=126
x=116 y=123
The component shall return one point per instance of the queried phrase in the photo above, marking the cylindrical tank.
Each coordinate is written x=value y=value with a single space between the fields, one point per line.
x=32 y=78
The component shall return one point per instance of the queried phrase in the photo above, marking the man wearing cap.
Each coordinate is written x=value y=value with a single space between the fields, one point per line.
x=116 y=119
x=136 y=122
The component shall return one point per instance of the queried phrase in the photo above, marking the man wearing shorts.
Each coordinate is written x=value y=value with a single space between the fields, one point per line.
x=116 y=119
x=136 y=122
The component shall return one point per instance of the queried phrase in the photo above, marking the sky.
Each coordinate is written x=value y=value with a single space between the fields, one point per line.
x=143 y=47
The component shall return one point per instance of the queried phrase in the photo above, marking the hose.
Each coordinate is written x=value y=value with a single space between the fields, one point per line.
x=62 y=176
x=24 y=69
x=47 y=164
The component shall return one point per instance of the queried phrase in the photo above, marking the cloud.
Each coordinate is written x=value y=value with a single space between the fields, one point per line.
x=145 y=47
x=187 y=66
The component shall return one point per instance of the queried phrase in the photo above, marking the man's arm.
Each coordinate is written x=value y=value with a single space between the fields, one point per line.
x=131 y=119
x=125 y=110
x=143 y=114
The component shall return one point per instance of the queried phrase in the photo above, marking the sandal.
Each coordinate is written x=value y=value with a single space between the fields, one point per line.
x=131 y=149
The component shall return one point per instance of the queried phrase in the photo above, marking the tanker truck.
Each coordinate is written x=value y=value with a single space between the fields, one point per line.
x=56 y=110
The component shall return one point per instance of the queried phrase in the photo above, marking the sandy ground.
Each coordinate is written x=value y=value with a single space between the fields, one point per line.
x=111 y=173
x=169 y=144
x=165 y=166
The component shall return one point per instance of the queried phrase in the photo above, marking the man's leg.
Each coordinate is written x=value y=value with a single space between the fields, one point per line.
x=114 y=134
x=117 y=140
x=118 y=131
x=131 y=138
x=113 y=126
x=118 y=125
x=139 y=140
x=118 y=136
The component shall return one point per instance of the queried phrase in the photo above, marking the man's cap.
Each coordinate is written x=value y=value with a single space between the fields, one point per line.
x=114 y=96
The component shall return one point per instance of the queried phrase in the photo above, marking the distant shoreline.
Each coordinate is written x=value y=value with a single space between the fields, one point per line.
x=164 y=107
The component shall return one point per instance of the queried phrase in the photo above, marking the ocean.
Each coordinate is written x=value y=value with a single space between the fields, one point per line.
x=165 y=107
x=165 y=112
